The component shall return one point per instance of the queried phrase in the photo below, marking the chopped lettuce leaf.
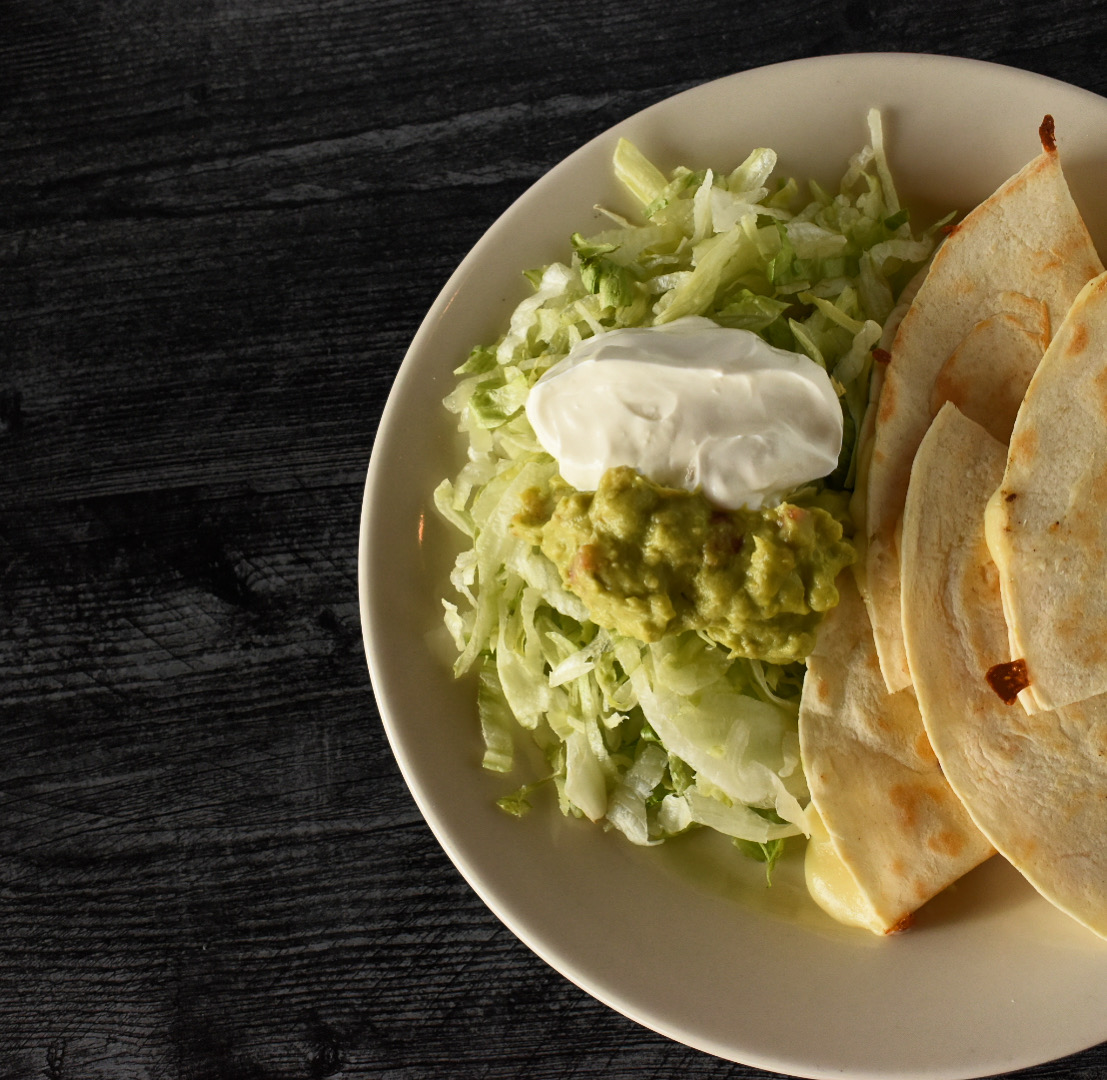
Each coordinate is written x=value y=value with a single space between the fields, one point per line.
x=768 y=853
x=637 y=174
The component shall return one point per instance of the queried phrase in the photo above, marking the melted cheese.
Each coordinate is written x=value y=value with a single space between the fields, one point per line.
x=830 y=882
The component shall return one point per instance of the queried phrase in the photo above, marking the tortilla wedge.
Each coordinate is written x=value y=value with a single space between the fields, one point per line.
x=888 y=833
x=857 y=502
x=1047 y=523
x=1012 y=268
x=1035 y=784
x=1009 y=350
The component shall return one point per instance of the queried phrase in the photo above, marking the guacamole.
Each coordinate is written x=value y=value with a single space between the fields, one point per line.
x=648 y=561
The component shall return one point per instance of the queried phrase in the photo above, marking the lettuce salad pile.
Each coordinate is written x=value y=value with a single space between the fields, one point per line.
x=654 y=739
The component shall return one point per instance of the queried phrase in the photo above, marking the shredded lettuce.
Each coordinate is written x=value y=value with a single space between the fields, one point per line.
x=653 y=740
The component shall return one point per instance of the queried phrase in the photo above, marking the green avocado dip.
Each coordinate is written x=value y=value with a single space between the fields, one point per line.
x=648 y=560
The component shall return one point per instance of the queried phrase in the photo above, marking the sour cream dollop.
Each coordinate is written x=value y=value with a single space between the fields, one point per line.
x=689 y=404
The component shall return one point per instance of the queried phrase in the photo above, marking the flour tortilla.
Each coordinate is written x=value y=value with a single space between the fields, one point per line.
x=858 y=500
x=1009 y=350
x=1034 y=785
x=896 y=828
x=1047 y=524
x=1024 y=250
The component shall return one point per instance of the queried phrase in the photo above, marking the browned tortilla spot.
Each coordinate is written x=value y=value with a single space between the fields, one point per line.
x=947 y=842
x=887 y=402
x=907 y=801
x=1047 y=135
x=923 y=750
x=1073 y=254
x=1078 y=341
x=1008 y=680
x=822 y=690
x=1024 y=445
x=922 y=892
x=904 y=924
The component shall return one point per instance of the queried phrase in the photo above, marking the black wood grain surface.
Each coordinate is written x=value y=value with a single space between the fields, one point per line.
x=221 y=222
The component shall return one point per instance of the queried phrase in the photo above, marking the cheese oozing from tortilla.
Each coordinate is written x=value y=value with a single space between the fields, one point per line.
x=831 y=884
x=690 y=404
x=893 y=825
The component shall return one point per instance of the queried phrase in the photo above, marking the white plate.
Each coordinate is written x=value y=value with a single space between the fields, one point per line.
x=685 y=938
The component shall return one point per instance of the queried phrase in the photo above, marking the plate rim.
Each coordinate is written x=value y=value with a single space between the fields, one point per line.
x=375 y=477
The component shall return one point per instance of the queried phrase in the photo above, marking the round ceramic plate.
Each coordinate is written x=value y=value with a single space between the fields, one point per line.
x=686 y=938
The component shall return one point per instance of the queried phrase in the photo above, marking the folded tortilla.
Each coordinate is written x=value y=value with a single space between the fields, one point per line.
x=1035 y=785
x=1047 y=524
x=998 y=284
x=888 y=833
x=858 y=500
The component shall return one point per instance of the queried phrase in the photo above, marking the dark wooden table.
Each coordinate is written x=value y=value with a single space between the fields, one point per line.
x=220 y=224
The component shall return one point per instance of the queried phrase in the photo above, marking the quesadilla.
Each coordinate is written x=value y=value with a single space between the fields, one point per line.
x=1008 y=346
x=1006 y=275
x=1047 y=524
x=857 y=502
x=887 y=831
x=1034 y=784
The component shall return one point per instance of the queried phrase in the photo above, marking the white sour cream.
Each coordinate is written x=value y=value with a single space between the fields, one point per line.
x=689 y=404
